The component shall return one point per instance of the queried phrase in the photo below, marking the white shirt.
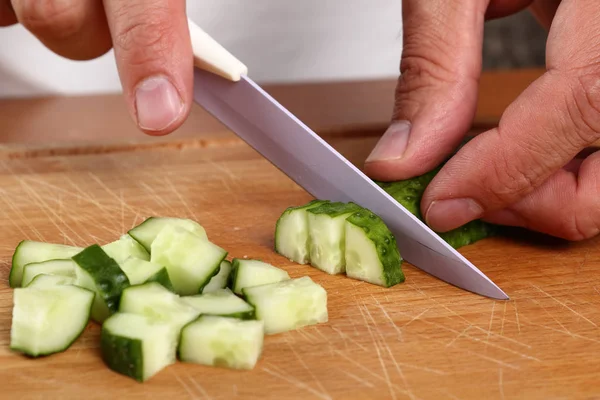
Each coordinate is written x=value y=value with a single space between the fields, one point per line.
x=279 y=41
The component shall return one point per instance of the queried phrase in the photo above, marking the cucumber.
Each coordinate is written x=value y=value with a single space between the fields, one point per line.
x=327 y=235
x=222 y=342
x=291 y=233
x=247 y=273
x=222 y=302
x=48 y=320
x=51 y=267
x=371 y=251
x=142 y=271
x=46 y=281
x=191 y=260
x=219 y=281
x=29 y=251
x=288 y=305
x=101 y=274
x=125 y=247
x=146 y=232
x=156 y=302
x=137 y=346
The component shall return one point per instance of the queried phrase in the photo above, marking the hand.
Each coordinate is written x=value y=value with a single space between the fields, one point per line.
x=151 y=42
x=524 y=172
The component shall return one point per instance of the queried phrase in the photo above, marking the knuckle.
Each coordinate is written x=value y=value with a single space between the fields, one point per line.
x=585 y=109
x=144 y=38
x=60 y=19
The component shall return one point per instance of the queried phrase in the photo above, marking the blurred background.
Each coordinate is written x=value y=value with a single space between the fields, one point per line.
x=280 y=41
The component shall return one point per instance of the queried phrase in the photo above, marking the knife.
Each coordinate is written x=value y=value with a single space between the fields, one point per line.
x=222 y=87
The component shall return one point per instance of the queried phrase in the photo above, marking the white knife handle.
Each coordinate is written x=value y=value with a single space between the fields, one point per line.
x=212 y=57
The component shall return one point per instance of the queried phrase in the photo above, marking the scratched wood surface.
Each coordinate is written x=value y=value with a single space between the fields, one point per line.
x=422 y=339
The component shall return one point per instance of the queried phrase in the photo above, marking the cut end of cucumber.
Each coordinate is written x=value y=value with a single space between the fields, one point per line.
x=29 y=251
x=49 y=281
x=47 y=320
x=137 y=346
x=124 y=248
x=220 y=280
x=291 y=233
x=222 y=342
x=371 y=251
x=146 y=232
x=288 y=305
x=222 y=302
x=191 y=261
x=50 y=267
x=247 y=273
x=140 y=271
x=327 y=236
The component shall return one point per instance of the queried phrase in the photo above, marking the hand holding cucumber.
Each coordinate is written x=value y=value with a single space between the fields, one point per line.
x=527 y=171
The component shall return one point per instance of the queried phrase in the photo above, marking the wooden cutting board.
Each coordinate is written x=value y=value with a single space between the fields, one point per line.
x=422 y=339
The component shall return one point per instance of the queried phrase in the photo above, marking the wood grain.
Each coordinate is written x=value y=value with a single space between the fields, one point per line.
x=422 y=339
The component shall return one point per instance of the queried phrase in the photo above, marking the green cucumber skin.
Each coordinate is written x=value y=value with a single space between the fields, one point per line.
x=334 y=209
x=109 y=278
x=123 y=355
x=162 y=277
x=409 y=193
x=385 y=242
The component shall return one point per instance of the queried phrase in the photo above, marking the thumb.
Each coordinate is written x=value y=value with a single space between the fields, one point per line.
x=154 y=58
x=436 y=94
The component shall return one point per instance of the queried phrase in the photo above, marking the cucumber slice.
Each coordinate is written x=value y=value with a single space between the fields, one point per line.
x=291 y=233
x=371 y=251
x=247 y=273
x=48 y=320
x=48 y=281
x=125 y=247
x=141 y=271
x=101 y=274
x=156 y=302
x=29 y=251
x=326 y=235
x=222 y=302
x=191 y=260
x=219 y=281
x=222 y=342
x=146 y=232
x=51 y=267
x=137 y=346
x=288 y=305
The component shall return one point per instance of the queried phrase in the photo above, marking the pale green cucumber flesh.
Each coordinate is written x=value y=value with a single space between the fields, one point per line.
x=291 y=233
x=248 y=273
x=137 y=346
x=98 y=272
x=220 y=280
x=50 y=267
x=146 y=232
x=326 y=236
x=288 y=305
x=141 y=271
x=154 y=301
x=222 y=342
x=29 y=251
x=371 y=251
x=222 y=302
x=47 y=280
x=48 y=320
x=191 y=261
x=124 y=248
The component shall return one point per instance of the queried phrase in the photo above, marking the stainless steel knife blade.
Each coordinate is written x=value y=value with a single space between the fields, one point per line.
x=292 y=147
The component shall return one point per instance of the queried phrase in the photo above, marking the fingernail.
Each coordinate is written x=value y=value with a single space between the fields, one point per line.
x=445 y=215
x=392 y=144
x=157 y=103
